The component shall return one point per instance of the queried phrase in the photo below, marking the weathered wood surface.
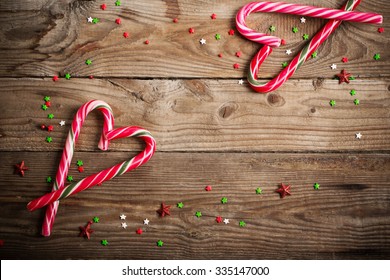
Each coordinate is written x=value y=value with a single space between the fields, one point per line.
x=44 y=38
x=349 y=217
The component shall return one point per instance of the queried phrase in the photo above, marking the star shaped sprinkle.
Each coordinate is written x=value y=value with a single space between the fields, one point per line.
x=314 y=54
x=358 y=135
x=217 y=36
x=356 y=101
x=86 y=231
x=283 y=42
x=69 y=178
x=352 y=92
x=50 y=128
x=117 y=3
x=191 y=30
x=80 y=169
x=146 y=222
x=50 y=116
x=241 y=82
x=231 y=32
x=242 y=224
x=226 y=221
x=48 y=103
x=218 y=219
x=90 y=19
x=238 y=54
x=104 y=242
x=198 y=214
x=49 y=139
x=344 y=59
x=103 y=6
x=95 y=20
x=316 y=186
x=333 y=66
x=303 y=20
x=49 y=179
x=272 y=28
x=62 y=123
x=68 y=76
x=139 y=231
x=208 y=188
x=377 y=56
x=126 y=34
x=44 y=107
x=305 y=36
x=224 y=200
x=381 y=30
x=343 y=76
x=288 y=52
x=164 y=210
x=180 y=205
x=295 y=29
x=79 y=163
x=21 y=168
x=96 y=219
x=284 y=190
x=88 y=62
x=160 y=243
x=55 y=78
x=213 y=16
x=124 y=225
x=284 y=64
x=202 y=41
x=236 y=66
x=259 y=191
x=118 y=21
x=122 y=217
x=332 y=103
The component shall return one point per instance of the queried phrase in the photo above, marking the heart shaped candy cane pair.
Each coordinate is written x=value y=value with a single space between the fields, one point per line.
x=61 y=191
x=336 y=16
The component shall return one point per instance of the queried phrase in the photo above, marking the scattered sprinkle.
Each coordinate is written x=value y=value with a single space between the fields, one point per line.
x=352 y=92
x=217 y=36
x=69 y=178
x=333 y=66
x=231 y=32
x=242 y=224
x=314 y=54
x=303 y=20
x=103 y=6
x=86 y=231
x=220 y=55
x=284 y=64
x=160 y=243
x=316 y=186
x=49 y=139
x=208 y=188
x=164 y=210
x=259 y=191
x=202 y=41
x=104 y=242
x=377 y=56
x=62 y=123
x=381 y=30
x=117 y=3
x=180 y=205
x=68 y=76
x=218 y=219
x=343 y=76
x=55 y=78
x=118 y=21
x=224 y=200
x=146 y=222
x=43 y=126
x=175 y=20
x=21 y=168
x=332 y=103
x=90 y=77
x=344 y=59
x=284 y=190
x=238 y=54
x=139 y=231
x=88 y=62
x=213 y=16
x=44 y=107
x=49 y=179
x=50 y=116
x=198 y=214
x=79 y=163
x=288 y=52
x=89 y=19
x=305 y=36
x=122 y=216
x=272 y=28
x=236 y=66
x=356 y=101
x=295 y=29
x=80 y=169
x=96 y=219
x=358 y=135
x=147 y=42
x=95 y=20
x=241 y=82
x=50 y=128
x=283 y=42
x=48 y=103
x=191 y=30
x=226 y=221
x=124 y=225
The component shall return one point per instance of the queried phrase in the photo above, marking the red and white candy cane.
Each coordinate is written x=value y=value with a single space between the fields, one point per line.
x=336 y=16
x=108 y=134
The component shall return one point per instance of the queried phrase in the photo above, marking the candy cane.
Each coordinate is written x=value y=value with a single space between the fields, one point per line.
x=336 y=16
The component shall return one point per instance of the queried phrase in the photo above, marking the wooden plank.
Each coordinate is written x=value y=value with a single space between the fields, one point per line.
x=202 y=115
x=44 y=38
x=347 y=218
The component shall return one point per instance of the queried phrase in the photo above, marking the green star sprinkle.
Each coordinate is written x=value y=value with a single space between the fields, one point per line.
x=180 y=205
x=118 y=3
x=316 y=186
x=217 y=36
x=259 y=191
x=295 y=29
x=50 y=116
x=104 y=242
x=49 y=139
x=95 y=20
x=49 y=179
x=69 y=178
x=44 y=107
x=272 y=28
x=80 y=163
x=198 y=214
x=377 y=56
x=95 y=219
x=242 y=224
x=224 y=200
x=314 y=54
x=67 y=76
x=284 y=64
x=305 y=36
x=160 y=243
x=88 y=62
x=46 y=98
x=352 y=92
x=332 y=103
x=356 y=101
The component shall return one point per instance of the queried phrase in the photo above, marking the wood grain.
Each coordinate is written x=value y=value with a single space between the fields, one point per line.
x=349 y=217
x=44 y=38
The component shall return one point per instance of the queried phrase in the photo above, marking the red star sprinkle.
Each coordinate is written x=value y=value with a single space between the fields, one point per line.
x=213 y=16
x=139 y=231
x=147 y=42
x=80 y=169
x=284 y=190
x=90 y=77
x=48 y=103
x=283 y=42
x=103 y=6
x=208 y=188
x=118 y=21
x=220 y=55
x=236 y=66
x=231 y=32
x=43 y=126
x=50 y=128
x=191 y=30
x=126 y=34
x=238 y=54
x=175 y=20
x=164 y=210
x=55 y=78
x=343 y=76
x=381 y=30
x=20 y=168
x=86 y=231
x=345 y=59
x=218 y=219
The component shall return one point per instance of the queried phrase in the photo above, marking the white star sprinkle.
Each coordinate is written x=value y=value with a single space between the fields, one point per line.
x=303 y=20
x=124 y=225
x=202 y=41
x=358 y=135
x=62 y=123
x=146 y=222
x=288 y=52
x=333 y=66
x=226 y=221
x=241 y=82
x=122 y=216
x=90 y=19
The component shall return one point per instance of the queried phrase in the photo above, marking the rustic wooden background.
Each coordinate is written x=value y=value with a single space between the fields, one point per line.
x=209 y=130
